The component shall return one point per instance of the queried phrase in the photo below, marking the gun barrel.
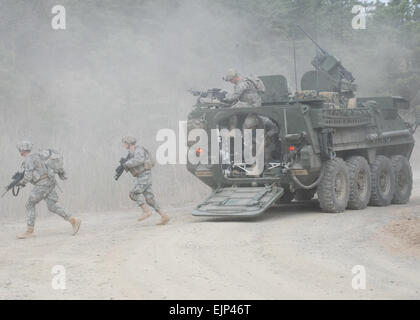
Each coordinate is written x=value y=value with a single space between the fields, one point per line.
x=310 y=38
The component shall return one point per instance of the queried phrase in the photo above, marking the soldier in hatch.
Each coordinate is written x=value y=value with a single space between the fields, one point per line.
x=43 y=179
x=139 y=165
x=247 y=90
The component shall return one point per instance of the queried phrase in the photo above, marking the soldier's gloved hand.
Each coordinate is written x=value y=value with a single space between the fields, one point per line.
x=21 y=184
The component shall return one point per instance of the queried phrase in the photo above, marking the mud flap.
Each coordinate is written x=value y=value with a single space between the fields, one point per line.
x=239 y=201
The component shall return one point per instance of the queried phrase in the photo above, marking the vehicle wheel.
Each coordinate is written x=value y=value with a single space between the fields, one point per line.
x=334 y=188
x=287 y=197
x=382 y=182
x=360 y=182
x=403 y=179
x=304 y=195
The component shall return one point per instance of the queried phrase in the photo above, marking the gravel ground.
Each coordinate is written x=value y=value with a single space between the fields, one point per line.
x=291 y=252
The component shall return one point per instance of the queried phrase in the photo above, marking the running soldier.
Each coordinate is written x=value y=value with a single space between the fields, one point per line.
x=139 y=164
x=43 y=179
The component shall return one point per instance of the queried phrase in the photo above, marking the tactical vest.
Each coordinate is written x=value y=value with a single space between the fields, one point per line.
x=40 y=171
x=148 y=164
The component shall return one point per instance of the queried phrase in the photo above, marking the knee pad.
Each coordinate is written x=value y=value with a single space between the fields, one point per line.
x=52 y=207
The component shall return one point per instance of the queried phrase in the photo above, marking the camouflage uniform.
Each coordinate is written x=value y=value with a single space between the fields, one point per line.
x=271 y=132
x=245 y=92
x=142 y=192
x=44 y=188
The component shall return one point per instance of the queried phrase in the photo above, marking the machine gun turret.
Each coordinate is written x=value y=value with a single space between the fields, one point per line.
x=332 y=66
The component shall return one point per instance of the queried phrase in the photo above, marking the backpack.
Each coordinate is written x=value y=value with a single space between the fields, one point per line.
x=150 y=162
x=54 y=160
x=258 y=83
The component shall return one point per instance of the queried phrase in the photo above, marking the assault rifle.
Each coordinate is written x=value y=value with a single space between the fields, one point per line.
x=14 y=185
x=120 y=169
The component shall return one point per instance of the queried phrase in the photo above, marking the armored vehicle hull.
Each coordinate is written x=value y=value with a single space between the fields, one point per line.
x=349 y=151
x=317 y=149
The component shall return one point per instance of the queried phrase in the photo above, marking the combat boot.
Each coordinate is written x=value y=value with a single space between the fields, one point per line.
x=146 y=213
x=165 y=218
x=75 y=223
x=28 y=233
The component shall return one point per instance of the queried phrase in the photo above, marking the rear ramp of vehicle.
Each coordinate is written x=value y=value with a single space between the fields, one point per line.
x=239 y=201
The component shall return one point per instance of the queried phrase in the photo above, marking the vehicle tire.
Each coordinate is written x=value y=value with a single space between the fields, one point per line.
x=334 y=188
x=286 y=198
x=382 y=182
x=360 y=182
x=304 y=195
x=403 y=179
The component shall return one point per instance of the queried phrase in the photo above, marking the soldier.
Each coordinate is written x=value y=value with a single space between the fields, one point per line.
x=37 y=173
x=247 y=91
x=139 y=165
x=271 y=131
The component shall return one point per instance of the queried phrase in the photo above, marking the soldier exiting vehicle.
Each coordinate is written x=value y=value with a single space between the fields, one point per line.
x=42 y=177
x=139 y=163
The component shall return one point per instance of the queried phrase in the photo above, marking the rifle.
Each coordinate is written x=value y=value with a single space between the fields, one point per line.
x=120 y=169
x=214 y=93
x=16 y=179
x=318 y=61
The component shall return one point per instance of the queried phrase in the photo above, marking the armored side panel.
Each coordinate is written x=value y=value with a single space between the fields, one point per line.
x=321 y=81
x=276 y=90
x=318 y=81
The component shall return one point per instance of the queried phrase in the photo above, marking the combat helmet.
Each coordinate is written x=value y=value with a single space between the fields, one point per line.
x=251 y=121
x=129 y=140
x=230 y=74
x=24 y=145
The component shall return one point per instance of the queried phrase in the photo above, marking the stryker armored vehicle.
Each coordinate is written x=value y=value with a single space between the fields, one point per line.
x=350 y=151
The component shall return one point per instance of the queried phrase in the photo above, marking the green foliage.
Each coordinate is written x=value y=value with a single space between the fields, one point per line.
x=392 y=34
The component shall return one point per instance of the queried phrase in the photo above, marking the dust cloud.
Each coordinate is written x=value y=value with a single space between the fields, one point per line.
x=125 y=67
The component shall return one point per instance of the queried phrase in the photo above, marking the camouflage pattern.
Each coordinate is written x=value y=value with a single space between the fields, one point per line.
x=129 y=140
x=251 y=122
x=142 y=192
x=246 y=95
x=271 y=132
x=24 y=146
x=231 y=74
x=44 y=188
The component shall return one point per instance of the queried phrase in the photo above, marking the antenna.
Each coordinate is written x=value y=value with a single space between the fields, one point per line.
x=294 y=62
x=316 y=37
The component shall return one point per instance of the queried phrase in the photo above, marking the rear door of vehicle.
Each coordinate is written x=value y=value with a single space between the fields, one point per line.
x=239 y=201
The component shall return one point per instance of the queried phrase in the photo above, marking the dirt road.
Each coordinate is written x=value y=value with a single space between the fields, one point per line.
x=293 y=251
